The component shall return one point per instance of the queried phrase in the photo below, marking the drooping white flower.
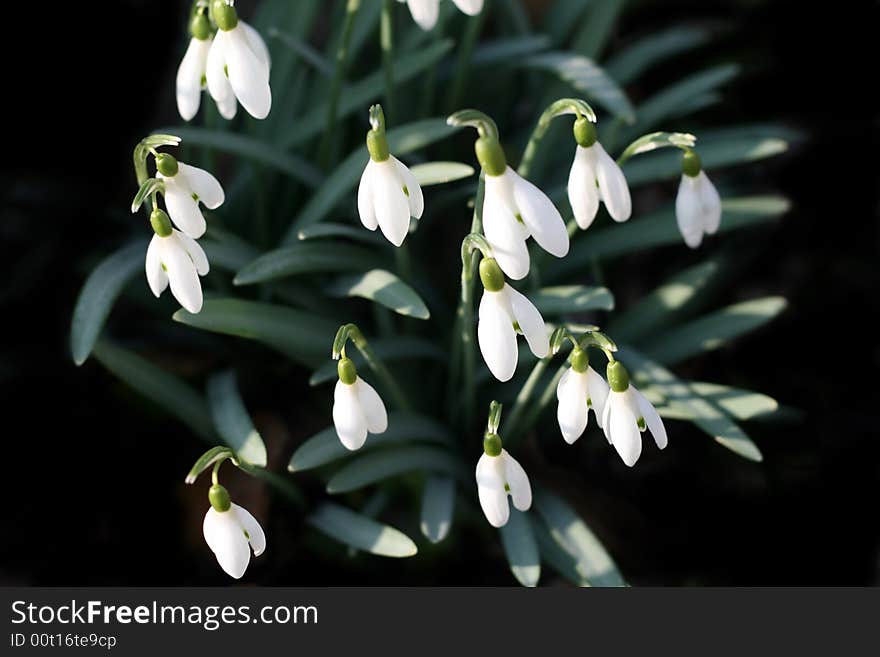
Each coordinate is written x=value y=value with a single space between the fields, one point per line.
x=503 y=312
x=238 y=66
x=697 y=208
x=426 y=12
x=191 y=78
x=498 y=476
x=594 y=177
x=176 y=258
x=627 y=413
x=357 y=407
x=580 y=389
x=185 y=187
x=388 y=196
x=232 y=533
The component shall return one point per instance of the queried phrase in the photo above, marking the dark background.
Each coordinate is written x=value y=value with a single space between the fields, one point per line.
x=86 y=501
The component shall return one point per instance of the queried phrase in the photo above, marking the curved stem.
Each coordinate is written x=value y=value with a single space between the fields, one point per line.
x=326 y=148
x=524 y=397
x=215 y=473
x=386 y=38
x=562 y=106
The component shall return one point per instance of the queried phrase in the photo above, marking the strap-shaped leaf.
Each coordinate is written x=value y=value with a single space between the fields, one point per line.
x=377 y=466
x=553 y=555
x=309 y=258
x=232 y=420
x=98 y=295
x=438 y=505
x=390 y=349
x=327 y=229
x=360 y=532
x=507 y=50
x=596 y=28
x=227 y=251
x=521 y=548
x=739 y=404
x=384 y=288
x=565 y=299
x=629 y=63
x=439 y=173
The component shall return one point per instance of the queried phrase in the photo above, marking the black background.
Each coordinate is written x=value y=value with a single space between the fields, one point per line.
x=85 y=502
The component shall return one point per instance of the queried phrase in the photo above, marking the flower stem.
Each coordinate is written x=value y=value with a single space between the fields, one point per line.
x=326 y=149
x=562 y=106
x=383 y=373
x=524 y=397
x=386 y=38
x=215 y=473
x=465 y=51
x=538 y=407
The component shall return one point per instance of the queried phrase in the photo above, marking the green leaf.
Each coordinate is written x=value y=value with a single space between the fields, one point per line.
x=339 y=184
x=585 y=76
x=304 y=51
x=737 y=403
x=227 y=251
x=98 y=295
x=655 y=140
x=396 y=348
x=562 y=17
x=301 y=336
x=163 y=388
x=597 y=26
x=658 y=229
x=361 y=532
x=438 y=504
x=383 y=288
x=573 y=536
x=308 y=258
x=712 y=331
x=325 y=447
x=327 y=229
x=521 y=548
x=232 y=421
x=629 y=63
x=566 y=299
x=206 y=460
x=506 y=50
x=377 y=466
x=255 y=150
x=557 y=558
x=438 y=173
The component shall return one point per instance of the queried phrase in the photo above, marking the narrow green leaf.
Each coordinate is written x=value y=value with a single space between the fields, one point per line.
x=506 y=50
x=575 y=538
x=377 y=466
x=303 y=51
x=327 y=229
x=232 y=420
x=383 y=288
x=395 y=348
x=553 y=555
x=438 y=504
x=629 y=63
x=596 y=28
x=739 y=404
x=438 y=173
x=712 y=331
x=521 y=548
x=301 y=336
x=567 y=299
x=562 y=17
x=325 y=447
x=308 y=258
x=361 y=532
x=98 y=295
x=163 y=388
x=226 y=250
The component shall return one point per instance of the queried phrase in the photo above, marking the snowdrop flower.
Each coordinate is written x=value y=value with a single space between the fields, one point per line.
x=185 y=188
x=514 y=210
x=238 y=65
x=594 y=177
x=425 y=12
x=503 y=313
x=231 y=532
x=357 y=407
x=499 y=474
x=191 y=73
x=388 y=193
x=176 y=258
x=627 y=413
x=697 y=206
x=580 y=389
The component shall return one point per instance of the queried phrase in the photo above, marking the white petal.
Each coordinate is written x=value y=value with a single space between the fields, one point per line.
x=203 y=185
x=504 y=233
x=517 y=481
x=247 y=74
x=540 y=216
x=562 y=383
x=225 y=536
x=572 y=412
x=652 y=418
x=597 y=390
x=189 y=77
x=195 y=251
x=711 y=202
x=414 y=190
x=182 y=208
x=606 y=418
x=156 y=276
x=530 y=322
x=623 y=427
x=182 y=275
x=218 y=83
x=496 y=336
x=366 y=210
x=389 y=201
x=424 y=12
x=470 y=7
x=583 y=195
x=612 y=185
x=688 y=211
x=348 y=418
x=228 y=106
x=255 y=41
x=372 y=407
x=255 y=535
x=490 y=489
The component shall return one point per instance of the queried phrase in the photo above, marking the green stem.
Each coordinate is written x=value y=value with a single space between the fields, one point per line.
x=326 y=149
x=386 y=38
x=574 y=106
x=465 y=51
x=524 y=397
x=215 y=473
x=384 y=374
x=538 y=407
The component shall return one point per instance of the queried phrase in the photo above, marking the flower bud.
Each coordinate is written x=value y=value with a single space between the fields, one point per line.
x=584 y=132
x=166 y=165
x=347 y=371
x=618 y=377
x=691 y=164
x=490 y=156
x=160 y=222
x=219 y=498
x=224 y=15
x=492 y=444
x=200 y=26
x=491 y=276
x=580 y=360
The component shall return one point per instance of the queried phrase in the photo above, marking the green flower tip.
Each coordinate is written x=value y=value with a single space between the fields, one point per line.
x=200 y=26
x=166 y=165
x=584 y=132
x=580 y=360
x=691 y=164
x=218 y=496
x=492 y=444
x=618 y=377
x=347 y=371
x=490 y=156
x=377 y=144
x=160 y=222
x=491 y=276
x=224 y=15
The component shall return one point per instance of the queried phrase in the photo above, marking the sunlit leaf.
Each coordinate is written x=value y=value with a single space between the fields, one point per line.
x=438 y=173
x=361 y=532
x=384 y=288
x=232 y=420
x=438 y=504
x=310 y=257
x=521 y=548
x=567 y=299
x=379 y=465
